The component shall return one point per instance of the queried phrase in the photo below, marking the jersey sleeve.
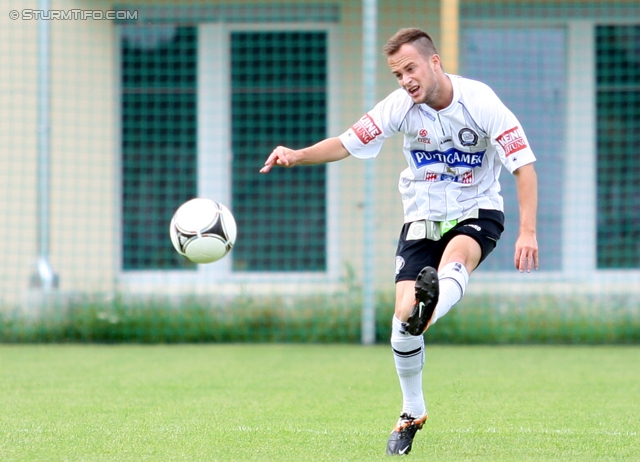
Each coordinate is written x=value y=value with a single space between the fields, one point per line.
x=506 y=133
x=364 y=139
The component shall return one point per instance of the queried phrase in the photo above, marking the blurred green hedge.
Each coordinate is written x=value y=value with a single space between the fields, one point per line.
x=322 y=319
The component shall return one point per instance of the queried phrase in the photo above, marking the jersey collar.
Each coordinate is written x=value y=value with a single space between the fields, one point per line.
x=456 y=96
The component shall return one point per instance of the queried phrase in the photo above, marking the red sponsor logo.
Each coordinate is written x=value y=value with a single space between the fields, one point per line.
x=422 y=136
x=512 y=141
x=467 y=177
x=366 y=129
x=431 y=176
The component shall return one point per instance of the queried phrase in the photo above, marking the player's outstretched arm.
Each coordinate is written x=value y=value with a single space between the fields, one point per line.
x=329 y=150
x=526 y=256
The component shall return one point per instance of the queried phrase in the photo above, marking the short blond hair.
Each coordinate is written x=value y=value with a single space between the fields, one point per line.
x=416 y=37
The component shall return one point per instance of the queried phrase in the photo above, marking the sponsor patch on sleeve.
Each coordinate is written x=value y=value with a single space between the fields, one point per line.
x=512 y=141
x=366 y=129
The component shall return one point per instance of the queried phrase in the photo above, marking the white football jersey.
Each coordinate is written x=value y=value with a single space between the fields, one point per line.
x=455 y=155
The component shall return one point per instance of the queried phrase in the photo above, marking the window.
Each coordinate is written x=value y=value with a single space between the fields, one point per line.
x=526 y=68
x=580 y=107
x=159 y=148
x=618 y=138
x=277 y=95
x=279 y=91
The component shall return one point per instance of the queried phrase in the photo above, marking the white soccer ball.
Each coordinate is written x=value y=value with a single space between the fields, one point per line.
x=203 y=230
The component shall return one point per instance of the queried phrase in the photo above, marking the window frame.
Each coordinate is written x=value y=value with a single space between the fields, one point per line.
x=579 y=250
x=214 y=158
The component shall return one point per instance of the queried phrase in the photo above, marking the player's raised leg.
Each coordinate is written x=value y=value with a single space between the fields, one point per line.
x=426 y=298
x=461 y=256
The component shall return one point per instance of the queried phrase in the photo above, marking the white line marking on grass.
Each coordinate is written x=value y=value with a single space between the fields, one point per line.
x=248 y=429
x=543 y=431
x=244 y=428
x=308 y=430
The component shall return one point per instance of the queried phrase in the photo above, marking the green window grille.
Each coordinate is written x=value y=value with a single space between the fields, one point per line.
x=279 y=97
x=159 y=140
x=618 y=139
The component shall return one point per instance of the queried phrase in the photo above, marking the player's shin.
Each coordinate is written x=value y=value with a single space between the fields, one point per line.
x=408 y=355
x=453 y=279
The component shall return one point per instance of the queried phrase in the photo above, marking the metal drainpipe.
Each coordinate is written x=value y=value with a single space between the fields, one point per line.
x=44 y=278
x=369 y=36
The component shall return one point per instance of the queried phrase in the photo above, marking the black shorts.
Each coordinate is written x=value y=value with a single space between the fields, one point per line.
x=413 y=255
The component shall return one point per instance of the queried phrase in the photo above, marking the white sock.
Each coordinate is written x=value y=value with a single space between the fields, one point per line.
x=453 y=279
x=408 y=354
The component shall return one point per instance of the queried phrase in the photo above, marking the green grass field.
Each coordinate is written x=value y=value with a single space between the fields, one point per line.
x=314 y=402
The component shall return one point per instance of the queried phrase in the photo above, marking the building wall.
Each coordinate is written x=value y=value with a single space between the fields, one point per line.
x=82 y=155
x=18 y=57
x=85 y=175
x=84 y=200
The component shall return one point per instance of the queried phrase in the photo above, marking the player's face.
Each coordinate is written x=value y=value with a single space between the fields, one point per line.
x=418 y=75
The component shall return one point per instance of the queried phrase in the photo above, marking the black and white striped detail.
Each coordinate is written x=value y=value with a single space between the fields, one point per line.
x=407 y=354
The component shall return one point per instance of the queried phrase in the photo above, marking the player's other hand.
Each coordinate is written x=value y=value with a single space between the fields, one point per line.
x=281 y=156
x=526 y=257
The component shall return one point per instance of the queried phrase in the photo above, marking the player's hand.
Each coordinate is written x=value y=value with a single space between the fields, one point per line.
x=281 y=156
x=526 y=257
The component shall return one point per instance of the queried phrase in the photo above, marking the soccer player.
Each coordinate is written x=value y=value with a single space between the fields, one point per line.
x=457 y=136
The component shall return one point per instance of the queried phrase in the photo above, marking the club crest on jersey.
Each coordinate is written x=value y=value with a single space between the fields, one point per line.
x=366 y=129
x=468 y=137
x=422 y=136
x=451 y=157
x=512 y=141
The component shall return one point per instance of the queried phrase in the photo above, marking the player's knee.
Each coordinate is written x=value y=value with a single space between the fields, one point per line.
x=457 y=273
x=464 y=249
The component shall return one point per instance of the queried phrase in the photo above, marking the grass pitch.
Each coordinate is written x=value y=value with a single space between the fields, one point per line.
x=325 y=402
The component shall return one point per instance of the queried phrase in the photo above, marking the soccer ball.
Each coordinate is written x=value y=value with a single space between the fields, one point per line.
x=203 y=230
